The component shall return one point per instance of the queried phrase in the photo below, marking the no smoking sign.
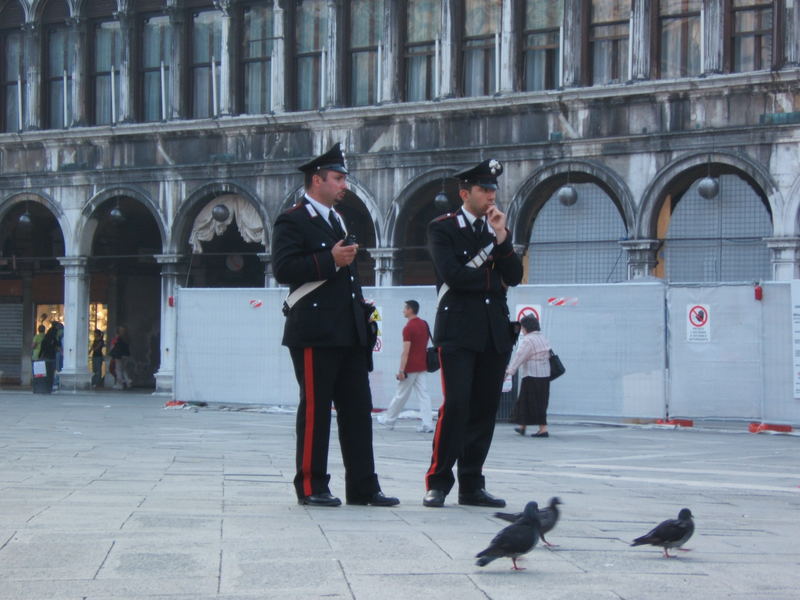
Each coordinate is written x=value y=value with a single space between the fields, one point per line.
x=698 y=326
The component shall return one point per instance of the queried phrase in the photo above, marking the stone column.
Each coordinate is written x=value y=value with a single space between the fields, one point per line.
x=640 y=39
x=447 y=63
x=384 y=265
x=227 y=80
x=171 y=267
x=390 y=86
x=784 y=257
x=278 y=61
x=572 y=67
x=33 y=75
x=178 y=98
x=508 y=46
x=713 y=19
x=28 y=325
x=333 y=54
x=269 y=277
x=75 y=375
x=80 y=79
x=127 y=72
x=642 y=257
x=792 y=34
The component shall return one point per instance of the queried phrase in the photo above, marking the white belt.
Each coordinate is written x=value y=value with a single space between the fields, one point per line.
x=300 y=293
x=476 y=262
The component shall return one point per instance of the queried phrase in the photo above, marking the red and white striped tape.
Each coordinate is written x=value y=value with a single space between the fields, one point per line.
x=567 y=301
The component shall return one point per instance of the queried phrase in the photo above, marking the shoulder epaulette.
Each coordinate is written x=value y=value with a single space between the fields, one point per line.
x=444 y=217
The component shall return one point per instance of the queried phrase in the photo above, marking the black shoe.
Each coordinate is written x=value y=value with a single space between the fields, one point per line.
x=323 y=499
x=434 y=498
x=540 y=434
x=376 y=499
x=480 y=498
x=519 y=430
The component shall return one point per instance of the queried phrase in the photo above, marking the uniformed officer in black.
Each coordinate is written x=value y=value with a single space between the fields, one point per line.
x=472 y=332
x=326 y=332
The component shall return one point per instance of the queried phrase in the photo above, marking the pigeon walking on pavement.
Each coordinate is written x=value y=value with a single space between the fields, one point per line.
x=515 y=540
x=548 y=517
x=672 y=533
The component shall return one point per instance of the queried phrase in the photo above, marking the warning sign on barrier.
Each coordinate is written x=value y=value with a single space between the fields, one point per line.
x=698 y=326
x=527 y=309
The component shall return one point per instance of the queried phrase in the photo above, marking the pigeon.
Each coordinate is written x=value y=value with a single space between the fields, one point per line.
x=548 y=517
x=672 y=533
x=515 y=540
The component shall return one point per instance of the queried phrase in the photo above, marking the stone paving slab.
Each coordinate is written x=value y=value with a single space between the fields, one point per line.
x=112 y=497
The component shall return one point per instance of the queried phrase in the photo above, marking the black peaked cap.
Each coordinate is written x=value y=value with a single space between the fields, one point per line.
x=332 y=160
x=485 y=174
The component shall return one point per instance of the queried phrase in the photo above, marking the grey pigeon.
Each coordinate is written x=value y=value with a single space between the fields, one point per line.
x=672 y=533
x=515 y=540
x=548 y=517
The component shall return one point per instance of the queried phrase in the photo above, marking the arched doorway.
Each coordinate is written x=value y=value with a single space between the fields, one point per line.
x=31 y=283
x=717 y=238
x=411 y=232
x=125 y=281
x=226 y=241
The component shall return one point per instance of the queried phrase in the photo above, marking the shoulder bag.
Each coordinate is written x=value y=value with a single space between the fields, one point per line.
x=431 y=354
x=557 y=368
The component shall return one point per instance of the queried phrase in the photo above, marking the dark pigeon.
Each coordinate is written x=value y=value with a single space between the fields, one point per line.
x=515 y=540
x=548 y=517
x=672 y=533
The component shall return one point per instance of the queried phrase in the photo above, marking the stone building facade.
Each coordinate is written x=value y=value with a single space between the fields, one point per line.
x=123 y=120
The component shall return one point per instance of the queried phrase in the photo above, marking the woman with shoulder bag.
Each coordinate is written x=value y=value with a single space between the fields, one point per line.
x=532 y=358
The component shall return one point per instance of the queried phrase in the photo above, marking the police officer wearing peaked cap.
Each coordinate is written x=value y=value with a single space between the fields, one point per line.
x=474 y=263
x=327 y=332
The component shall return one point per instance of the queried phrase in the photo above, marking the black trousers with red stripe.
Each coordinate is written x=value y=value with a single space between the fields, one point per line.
x=337 y=375
x=471 y=385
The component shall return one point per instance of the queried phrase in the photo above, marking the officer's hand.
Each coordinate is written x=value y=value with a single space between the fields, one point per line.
x=497 y=221
x=344 y=255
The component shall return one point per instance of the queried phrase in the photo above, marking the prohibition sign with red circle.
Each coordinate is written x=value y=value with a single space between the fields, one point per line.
x=526 y=311
x=698 y=316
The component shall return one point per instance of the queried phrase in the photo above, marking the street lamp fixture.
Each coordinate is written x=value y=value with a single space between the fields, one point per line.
x=568 y=195
x=220 y=213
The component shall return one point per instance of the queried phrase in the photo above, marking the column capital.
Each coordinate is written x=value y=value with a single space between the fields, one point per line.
x=166 y=259
x=73 y=262
x=782 y=243
x=642 y=256
x=224 y=6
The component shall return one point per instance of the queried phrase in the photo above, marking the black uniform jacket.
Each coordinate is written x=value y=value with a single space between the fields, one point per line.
x=334 y=313
x=474 y=310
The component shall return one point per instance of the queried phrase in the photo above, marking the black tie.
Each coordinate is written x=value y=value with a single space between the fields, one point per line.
x=477 y=225
x=337 y=227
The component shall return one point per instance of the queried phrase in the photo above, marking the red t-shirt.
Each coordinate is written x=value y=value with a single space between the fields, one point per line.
x=416 y=332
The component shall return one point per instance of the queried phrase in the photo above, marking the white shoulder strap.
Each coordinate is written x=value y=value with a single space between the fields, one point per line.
x=476 y=262
x=300 y=293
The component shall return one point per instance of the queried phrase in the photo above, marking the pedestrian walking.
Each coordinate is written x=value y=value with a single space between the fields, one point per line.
x=96 y=352
x=120 y=353
x=475 y=263
x=37 y=342
x=411 y=378
x=329 y=336
x=532 y=358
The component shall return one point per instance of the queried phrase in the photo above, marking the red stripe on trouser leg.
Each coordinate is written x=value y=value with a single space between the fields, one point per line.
x=308 y=434
x=437 y=436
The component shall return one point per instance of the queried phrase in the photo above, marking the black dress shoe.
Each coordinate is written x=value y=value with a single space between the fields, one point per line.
x=376 y=499
x=540 y=434
x=323 y=499
x=434 y=498
x=480 y=498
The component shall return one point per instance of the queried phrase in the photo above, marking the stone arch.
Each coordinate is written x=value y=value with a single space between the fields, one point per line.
x=398 y=210
x=540 y=186
x=7 y=204
x=38 y=6
x=680 y=173
x=84 y=232
x=790 y=225
x=188 y=209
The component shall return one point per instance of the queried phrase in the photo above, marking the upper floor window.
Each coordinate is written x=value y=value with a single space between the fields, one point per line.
x=366 y=35
x=12 y=79
x=257 y=41
x=311 y=24
x=154 y=68
x=541 y=45
x=421 y=52
x=205 y=65
x=481 y=45
x=751 y=43
x=60 y=55
x=680 y=41
x=107 y=59
x=609 y=31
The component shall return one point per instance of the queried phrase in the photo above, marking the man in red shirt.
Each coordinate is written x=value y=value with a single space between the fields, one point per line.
x=411 y=377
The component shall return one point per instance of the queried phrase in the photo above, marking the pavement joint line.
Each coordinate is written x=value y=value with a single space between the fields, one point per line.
x=105 y=558
x=219 y=572
x=346 y=579
x=8 y=541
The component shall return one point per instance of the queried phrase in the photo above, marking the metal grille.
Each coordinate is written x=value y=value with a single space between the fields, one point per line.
x=578 y=243
x=720 y=239
x=11 y=340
